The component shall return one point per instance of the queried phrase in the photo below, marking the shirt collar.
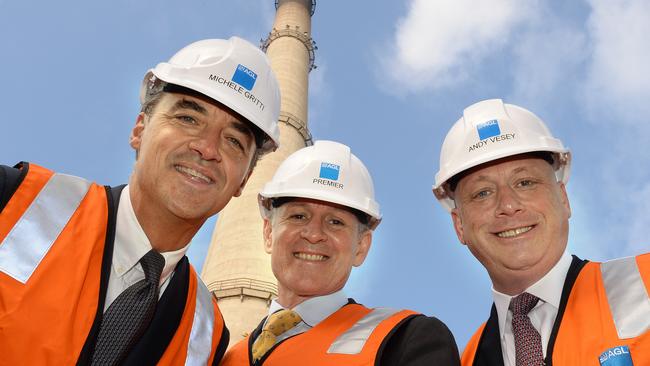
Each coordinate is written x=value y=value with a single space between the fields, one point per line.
x=548 y=289
x=131 y=242
x=316 y=309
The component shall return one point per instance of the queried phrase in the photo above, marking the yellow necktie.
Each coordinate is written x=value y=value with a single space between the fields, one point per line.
x=278 y=323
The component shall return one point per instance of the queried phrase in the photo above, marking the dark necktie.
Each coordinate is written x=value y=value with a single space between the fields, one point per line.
x=528 y=343
x=129 y=315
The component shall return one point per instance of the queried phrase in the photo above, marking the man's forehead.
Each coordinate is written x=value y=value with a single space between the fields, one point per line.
x=511 y=164
x=182 y=100
x=297 y=202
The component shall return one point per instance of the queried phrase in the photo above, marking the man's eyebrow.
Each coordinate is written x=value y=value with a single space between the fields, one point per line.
x=242 y=127
x=479 y=178
x=523 y=169
x=484 y=177
x=189 y=104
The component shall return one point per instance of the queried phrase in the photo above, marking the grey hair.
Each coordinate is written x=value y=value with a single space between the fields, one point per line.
x=153 y=93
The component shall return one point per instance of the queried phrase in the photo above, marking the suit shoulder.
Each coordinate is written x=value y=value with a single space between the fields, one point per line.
x=10 y=179
x=422 y=324
x=419 y=340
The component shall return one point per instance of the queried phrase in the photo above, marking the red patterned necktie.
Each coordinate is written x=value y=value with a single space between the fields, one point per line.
x=528 y=343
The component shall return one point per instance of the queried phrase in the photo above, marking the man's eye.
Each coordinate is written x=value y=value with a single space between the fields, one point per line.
x=336 y=222
x=481 y=194
x=236 y=143
x=187 y=119
x=297 y=216
x=526 y=183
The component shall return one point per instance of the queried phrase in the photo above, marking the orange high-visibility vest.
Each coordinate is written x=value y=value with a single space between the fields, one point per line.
x=351 y=337
x=605 y=316
x=53 y=232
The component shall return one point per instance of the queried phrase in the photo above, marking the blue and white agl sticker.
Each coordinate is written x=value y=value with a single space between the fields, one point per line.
x=488 y=129
x=329 y=171
x=244 y=77
x=617 y=356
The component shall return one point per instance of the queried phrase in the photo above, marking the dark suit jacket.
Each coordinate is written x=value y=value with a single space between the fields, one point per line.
x=418 y=340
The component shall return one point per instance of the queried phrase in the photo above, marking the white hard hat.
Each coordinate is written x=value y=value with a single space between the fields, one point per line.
x=326 y=171
x=491 y=130
x=233 y=72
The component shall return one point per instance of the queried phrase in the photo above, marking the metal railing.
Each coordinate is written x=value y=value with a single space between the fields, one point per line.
x=298 y=124
x=241 y=287
x=303 y=37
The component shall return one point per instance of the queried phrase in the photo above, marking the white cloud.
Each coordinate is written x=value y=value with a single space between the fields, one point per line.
x=547 y=60
x=438 y=42
x=619 y=76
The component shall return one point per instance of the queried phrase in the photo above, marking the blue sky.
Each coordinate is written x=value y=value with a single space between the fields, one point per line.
x=390 y=82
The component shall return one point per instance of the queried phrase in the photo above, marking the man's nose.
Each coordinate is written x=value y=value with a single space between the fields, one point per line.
x=207 y=147
x=313 y=232
x=508 y=203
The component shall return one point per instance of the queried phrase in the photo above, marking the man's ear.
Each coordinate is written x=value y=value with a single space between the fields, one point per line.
x=458 y=225
x=135 y=140
x=565 y=200
x=365 y=242
x=268 y=243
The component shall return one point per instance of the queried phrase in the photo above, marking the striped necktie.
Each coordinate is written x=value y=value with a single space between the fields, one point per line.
x=129 y=315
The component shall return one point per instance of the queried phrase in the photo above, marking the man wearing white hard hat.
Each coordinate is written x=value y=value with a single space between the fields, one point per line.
x=319 y=213
x=502 y=177
x=94 y=275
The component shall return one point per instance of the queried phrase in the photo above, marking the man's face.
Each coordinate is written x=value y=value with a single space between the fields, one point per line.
x=313 y=246
x=513 y=216
x=193 y=157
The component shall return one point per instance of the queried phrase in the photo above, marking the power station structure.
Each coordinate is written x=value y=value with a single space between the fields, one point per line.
x=237 y=270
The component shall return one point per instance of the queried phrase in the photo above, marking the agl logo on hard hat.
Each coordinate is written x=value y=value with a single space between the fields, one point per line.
x=244 y=77
x=329 y=171
x=328 y=175
x=488 y=129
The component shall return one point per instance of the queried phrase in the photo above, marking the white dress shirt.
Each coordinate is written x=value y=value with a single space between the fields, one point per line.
x=312 y=312
x=549 y=291
x=131 y=243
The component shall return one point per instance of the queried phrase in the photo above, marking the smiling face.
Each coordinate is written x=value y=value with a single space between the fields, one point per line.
x=313 y=246
x=193 y=156
x=513 y=216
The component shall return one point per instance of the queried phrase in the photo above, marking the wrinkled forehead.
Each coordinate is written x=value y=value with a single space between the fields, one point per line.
x=529 y=162
x=174 y=97
x=310 y=203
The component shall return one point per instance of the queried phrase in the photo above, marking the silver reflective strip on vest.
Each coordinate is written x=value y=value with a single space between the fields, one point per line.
x=627 y=297
x=33 y=235
x=352 y=341
x=200 y=344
